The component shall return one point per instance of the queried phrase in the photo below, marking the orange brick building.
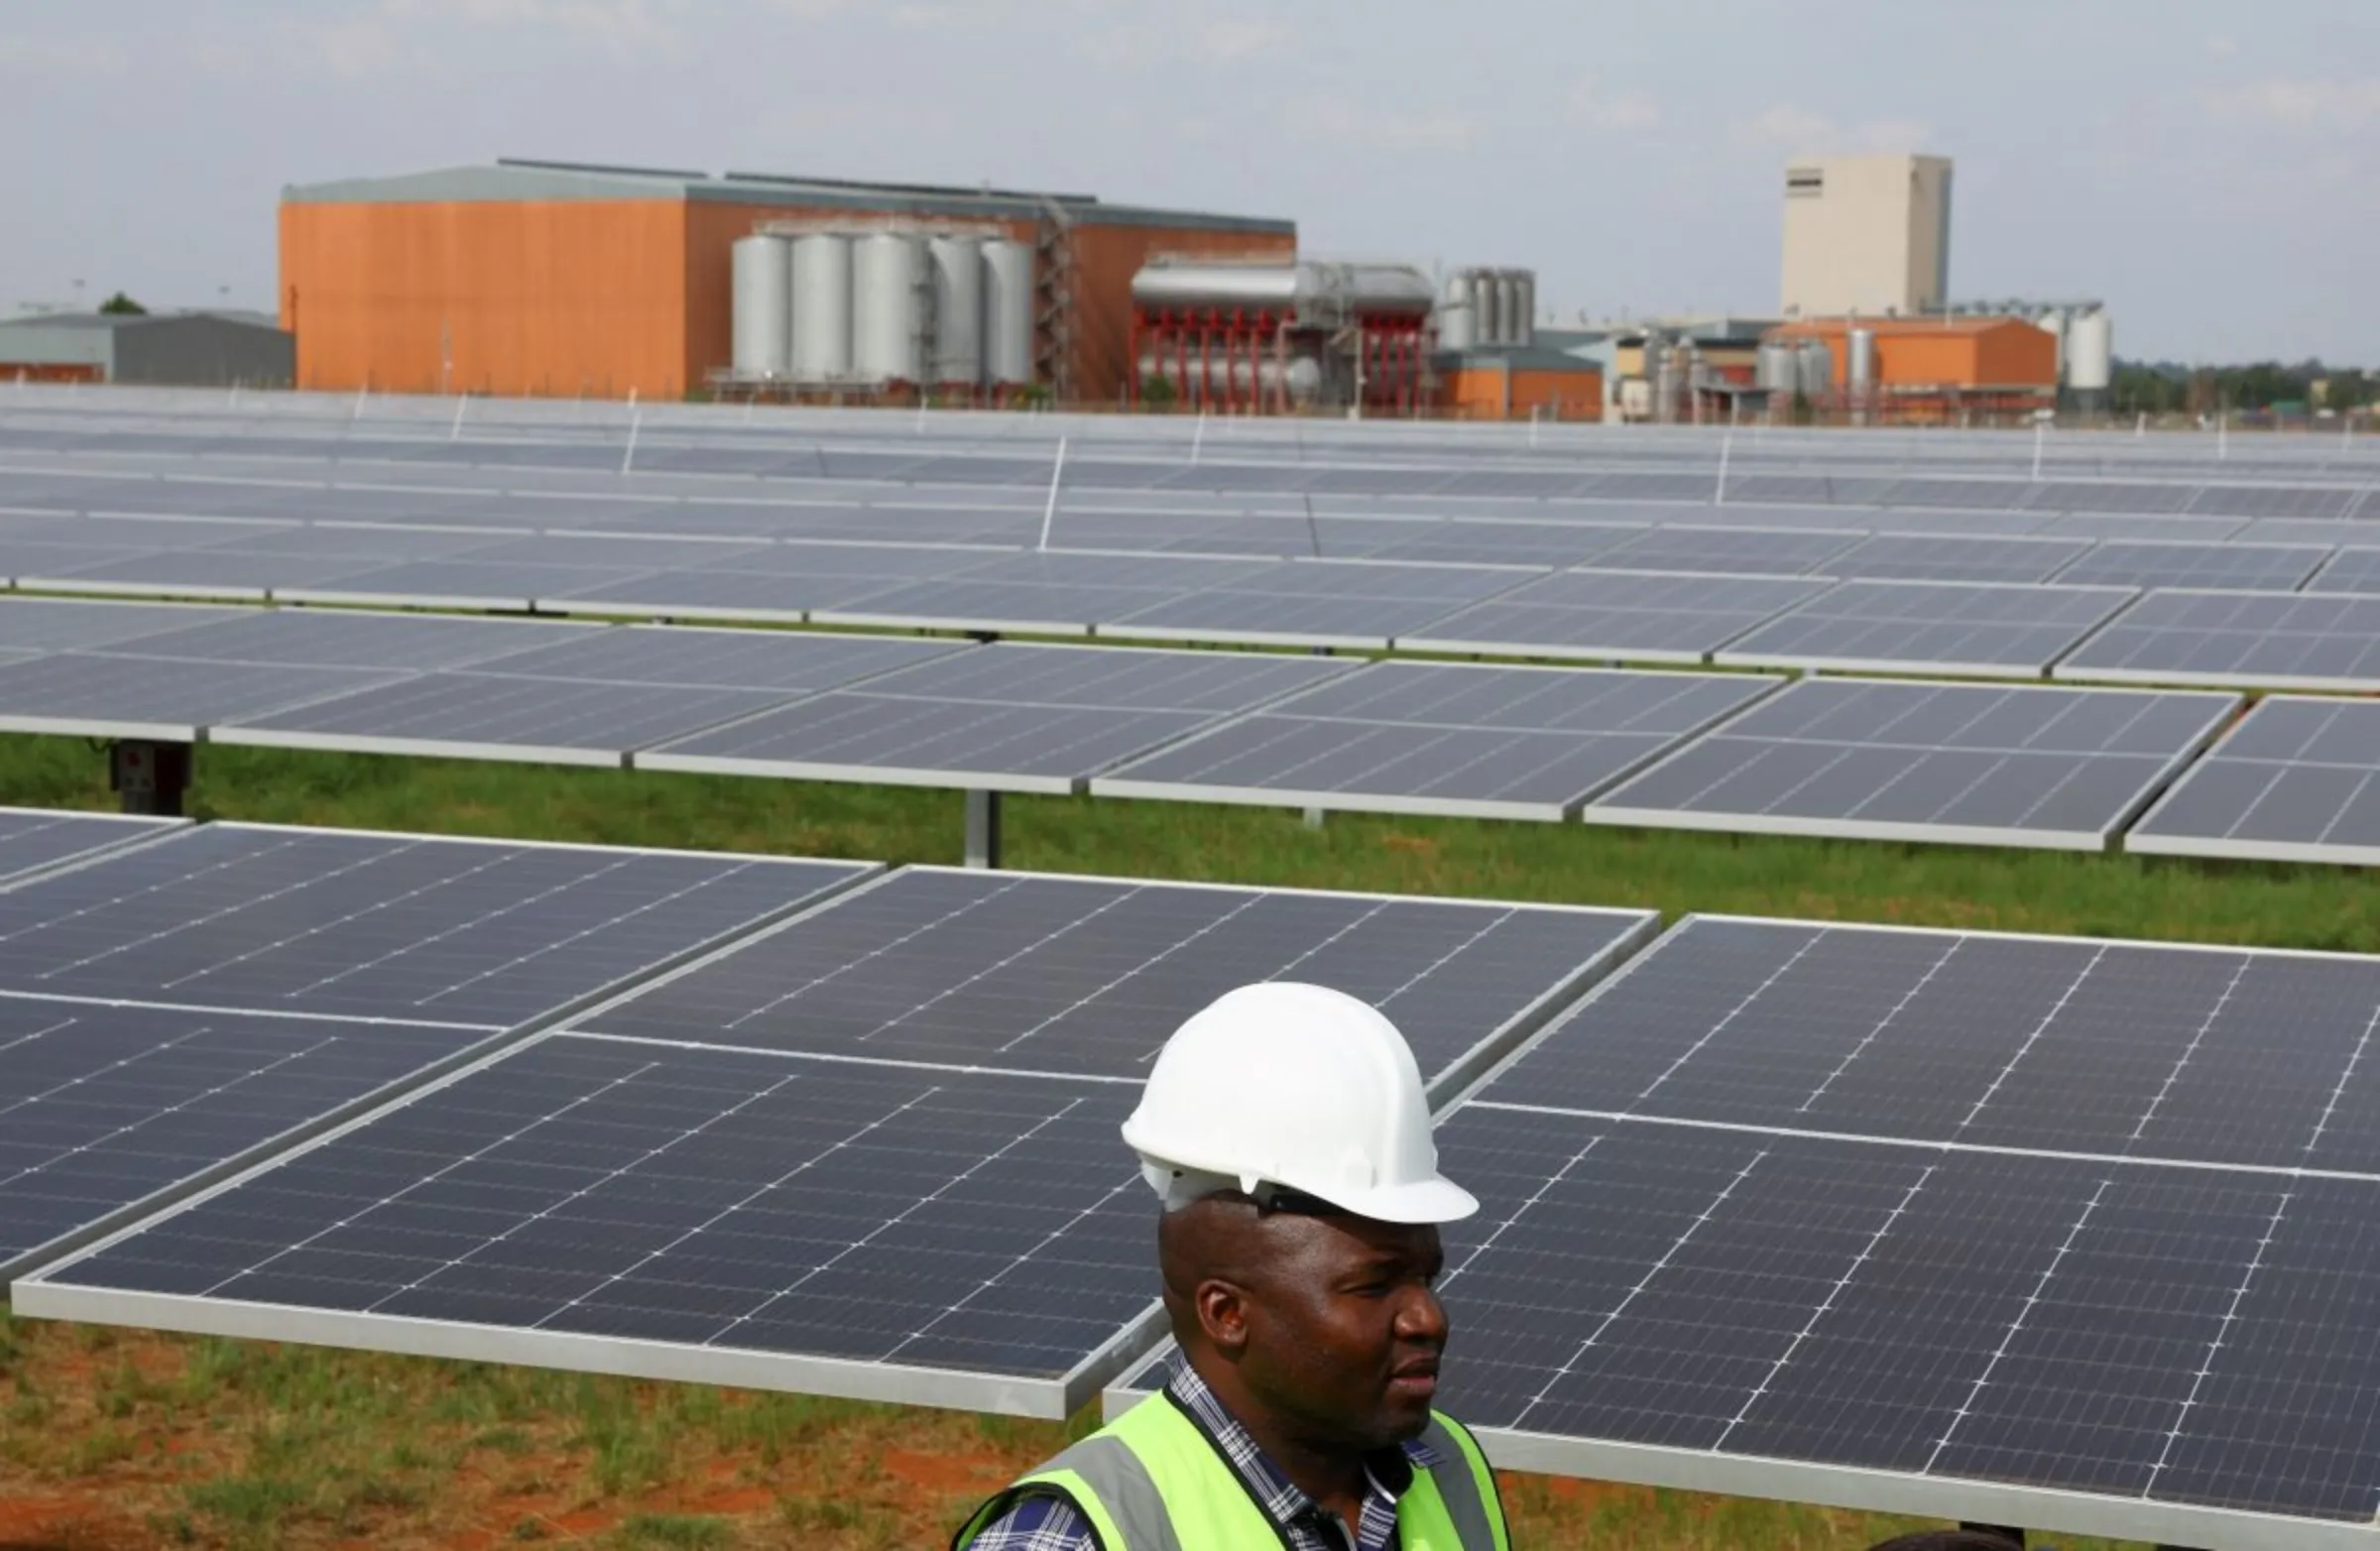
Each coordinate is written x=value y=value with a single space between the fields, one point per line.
x=553 y=280
x=1519 y=385
x=1937 y=369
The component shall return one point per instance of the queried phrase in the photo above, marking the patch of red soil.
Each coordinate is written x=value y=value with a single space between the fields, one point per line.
x=954 y=1473
x=60 y=1523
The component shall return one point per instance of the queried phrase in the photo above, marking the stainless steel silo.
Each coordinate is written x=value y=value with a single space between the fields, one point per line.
x=1816 y=368
x=1007 y=312
x=823 y=309
x=1458 y=320
x=958 y=357
x=760 y=302
x=1520 y=313
x=1487 y=305
x=1777 y=368
x=1860 y=359
x=889 y=298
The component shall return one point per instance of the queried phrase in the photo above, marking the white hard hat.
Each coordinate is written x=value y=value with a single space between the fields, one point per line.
x=1300 y=1087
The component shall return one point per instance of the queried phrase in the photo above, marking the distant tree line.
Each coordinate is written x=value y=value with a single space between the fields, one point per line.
x=2165 y=388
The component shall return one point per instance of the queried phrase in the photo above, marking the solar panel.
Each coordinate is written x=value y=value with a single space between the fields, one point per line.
x=1356 y=604
x=2302 y=500
x=1993 y=1215
x=2278 y=641
x=673 y=1190
x=337 y=923
x=1001 y=718
x=1930 y=557
x=1446 y=739
x=2297 y=779
x=1469 y=541
x=187 y=574
x=1983 y=495
x=1949 y=627
x=34 y=840
x=114 y=1105
x=2350 y=570
x=2110 y=497
x=2251 y=567
x=1745 y=551
x=1054 y=975
x=1962 y=764
x=68 y=625
x=350 y=638
x=1648 y=616
x=89 y=695
x=2201 y=529
x=459 y=584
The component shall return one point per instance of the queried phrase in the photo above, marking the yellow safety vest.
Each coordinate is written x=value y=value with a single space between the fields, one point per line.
x=1151 y=1480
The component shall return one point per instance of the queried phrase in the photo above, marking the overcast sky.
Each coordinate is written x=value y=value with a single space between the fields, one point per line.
x=2207 y=166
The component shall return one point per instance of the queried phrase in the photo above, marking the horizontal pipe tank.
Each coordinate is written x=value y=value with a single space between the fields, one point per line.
x=1305 y=291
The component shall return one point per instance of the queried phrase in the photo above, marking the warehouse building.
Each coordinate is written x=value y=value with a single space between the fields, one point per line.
x=1940 y=371
x=168 y=350
x=562 y=280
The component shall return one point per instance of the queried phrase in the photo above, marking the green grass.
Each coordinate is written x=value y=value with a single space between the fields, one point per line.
x=323 y=1454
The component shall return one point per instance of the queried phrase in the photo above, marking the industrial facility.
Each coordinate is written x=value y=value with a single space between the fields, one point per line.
x=153 y=349
x=562 y=280
x=569 y=280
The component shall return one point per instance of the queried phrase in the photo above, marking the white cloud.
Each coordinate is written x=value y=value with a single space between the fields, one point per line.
x=2222 y=47
x=79 y=58
x=1793 y=130
x=1586 y=103
x=2300 y=104
x=1238 y=38
x=1349 y=123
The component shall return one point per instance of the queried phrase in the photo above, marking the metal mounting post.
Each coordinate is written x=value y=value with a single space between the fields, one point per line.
x=983 y=829
x=150 y=777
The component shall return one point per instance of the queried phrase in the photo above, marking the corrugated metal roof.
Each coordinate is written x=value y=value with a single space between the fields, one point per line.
x=110 y=321
x=519 y=182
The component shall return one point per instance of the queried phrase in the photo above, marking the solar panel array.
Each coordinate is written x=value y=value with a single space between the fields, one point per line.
x=169 y=1009
x=2297 y=779
x=1896 y=760
x=870 y=1151
x=1525 y=743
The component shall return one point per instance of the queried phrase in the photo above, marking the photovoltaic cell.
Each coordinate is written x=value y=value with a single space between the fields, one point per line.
x=2351 y=569
x=1005 y=717
x=1088 y=976
x=1442 y=738
x=33 y=839
x=2297 y=779
x=707 y=1203
x=1929 y=557
x=2246 y=566
x=1964 y=628
x=352 y=638
x=1327 y=603
x=2278 y=641
x=328 y=922
x=110 y=1104
x=88 y=694
x=1648 y=616
x=1737 y=551
x=65 y=625
x=2307 y=501
x=1966 y=764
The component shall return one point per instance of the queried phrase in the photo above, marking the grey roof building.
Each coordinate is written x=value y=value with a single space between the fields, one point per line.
x=177 y=350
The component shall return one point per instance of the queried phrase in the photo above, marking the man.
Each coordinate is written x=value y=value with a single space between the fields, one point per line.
x=1286 y=1128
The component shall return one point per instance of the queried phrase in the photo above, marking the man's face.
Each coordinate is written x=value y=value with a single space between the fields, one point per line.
x=1342 y=1333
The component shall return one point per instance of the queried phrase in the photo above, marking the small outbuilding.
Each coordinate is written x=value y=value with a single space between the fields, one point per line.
x=163 y=349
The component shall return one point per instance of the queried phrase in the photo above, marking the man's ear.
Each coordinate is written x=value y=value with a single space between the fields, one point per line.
x=1222 y=1314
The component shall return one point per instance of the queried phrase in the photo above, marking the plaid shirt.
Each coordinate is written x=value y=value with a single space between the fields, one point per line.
x=1053 y=1523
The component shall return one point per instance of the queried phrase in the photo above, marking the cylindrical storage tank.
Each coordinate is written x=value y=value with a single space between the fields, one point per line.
x=1521 y=317
x=1777 y=368
x=2089 y=352
x=760 y=300
x=1458 y=320
x=1860 y=359
x=2053 y=323
x=1661 y=364
x=958 y=312
x=1818 y=368
x=1007 y=312
x=1487 y=309
x=888 y=308
x=821 y=308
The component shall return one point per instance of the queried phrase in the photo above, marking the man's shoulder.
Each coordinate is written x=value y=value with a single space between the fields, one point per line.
x=1044 y=1520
